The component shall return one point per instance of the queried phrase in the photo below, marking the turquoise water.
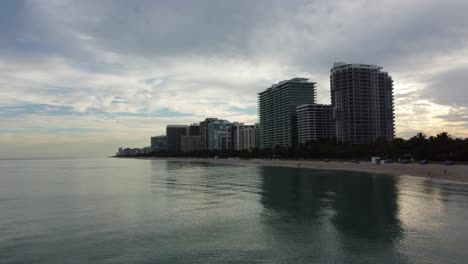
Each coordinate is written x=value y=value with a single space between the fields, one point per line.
x=143 y=211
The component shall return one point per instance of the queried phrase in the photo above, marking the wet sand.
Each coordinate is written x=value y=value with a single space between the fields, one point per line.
x=439 y=172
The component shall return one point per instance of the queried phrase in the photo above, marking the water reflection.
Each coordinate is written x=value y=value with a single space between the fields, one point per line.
x=292 y=191
x=360 y=207
x=198 y=186
x=153 y=211
x=292 y=214
x=366 y=205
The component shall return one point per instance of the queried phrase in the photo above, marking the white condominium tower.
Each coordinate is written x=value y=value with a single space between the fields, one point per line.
x=362 y=102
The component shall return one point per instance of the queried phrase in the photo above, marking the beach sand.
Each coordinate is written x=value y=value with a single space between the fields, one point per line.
x=438 y=172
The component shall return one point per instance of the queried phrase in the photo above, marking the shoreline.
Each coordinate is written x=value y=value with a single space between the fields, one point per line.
x=454 y=174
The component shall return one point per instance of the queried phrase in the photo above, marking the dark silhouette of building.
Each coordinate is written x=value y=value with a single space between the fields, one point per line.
x=194 y=129
x=158 y=143
x=362 y=102
x=190 y=143
x=174 y=135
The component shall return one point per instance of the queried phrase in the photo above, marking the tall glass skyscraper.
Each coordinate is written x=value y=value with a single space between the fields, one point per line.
x=362 y=102
x=219 y=136
x=204 y=132
x=277 y=111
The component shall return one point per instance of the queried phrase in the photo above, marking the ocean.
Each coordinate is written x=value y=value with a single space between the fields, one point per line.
x=154 y=211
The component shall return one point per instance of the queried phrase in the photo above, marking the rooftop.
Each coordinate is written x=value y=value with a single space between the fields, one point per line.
x=293 y=80
x=313 y=105
x=177 y=126
x=344 y=65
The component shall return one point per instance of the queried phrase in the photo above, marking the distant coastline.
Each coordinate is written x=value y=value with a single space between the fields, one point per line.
x=457 y=174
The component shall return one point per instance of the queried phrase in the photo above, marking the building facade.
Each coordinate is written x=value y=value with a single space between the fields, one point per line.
x=194 y=129
x=174 y=134
x=190 y=143
x=249 y=137
x=362 y=103
x=146 y=150
x=158 y=143
x=219 y=135
x=204 y=132
x=277 y=111
x=236 y=139
x=314 y=122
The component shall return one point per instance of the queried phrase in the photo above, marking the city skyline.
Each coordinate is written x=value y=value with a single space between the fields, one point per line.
x=72 y=85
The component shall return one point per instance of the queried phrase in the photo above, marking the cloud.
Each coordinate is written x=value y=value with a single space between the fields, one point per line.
x=120 y=71
x=448 y=86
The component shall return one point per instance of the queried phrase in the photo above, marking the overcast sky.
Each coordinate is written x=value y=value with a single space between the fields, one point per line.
x=81 y=78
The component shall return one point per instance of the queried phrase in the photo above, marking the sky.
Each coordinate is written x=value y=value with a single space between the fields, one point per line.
x=82 y=78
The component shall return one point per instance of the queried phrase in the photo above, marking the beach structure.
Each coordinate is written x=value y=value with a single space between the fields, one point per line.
x=376 y=160
x=362 y=102
x=277 y=111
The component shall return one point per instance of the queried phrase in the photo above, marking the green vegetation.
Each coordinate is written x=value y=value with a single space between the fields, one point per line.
x=420 y=147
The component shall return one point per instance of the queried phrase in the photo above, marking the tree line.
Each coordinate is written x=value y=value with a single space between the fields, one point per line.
x=420 y=147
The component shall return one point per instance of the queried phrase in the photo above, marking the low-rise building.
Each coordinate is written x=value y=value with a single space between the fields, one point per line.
x=146 y=150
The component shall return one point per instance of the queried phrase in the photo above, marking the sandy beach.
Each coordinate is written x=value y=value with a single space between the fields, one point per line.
x=439 y=172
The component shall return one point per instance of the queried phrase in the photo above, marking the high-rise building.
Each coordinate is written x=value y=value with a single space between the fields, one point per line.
x=158 y=143
x=257 y=135
x=236 y=139
x=362 y=102
x=277 y=111
x=314 y=122
x=190 y=143
x=174 y=134
x=194 y=129
x=204 y=132
x=223 y=140
x=249 y=138
x=219 y=136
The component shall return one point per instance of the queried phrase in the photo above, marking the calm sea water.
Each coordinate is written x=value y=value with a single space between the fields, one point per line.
x=143 y=211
